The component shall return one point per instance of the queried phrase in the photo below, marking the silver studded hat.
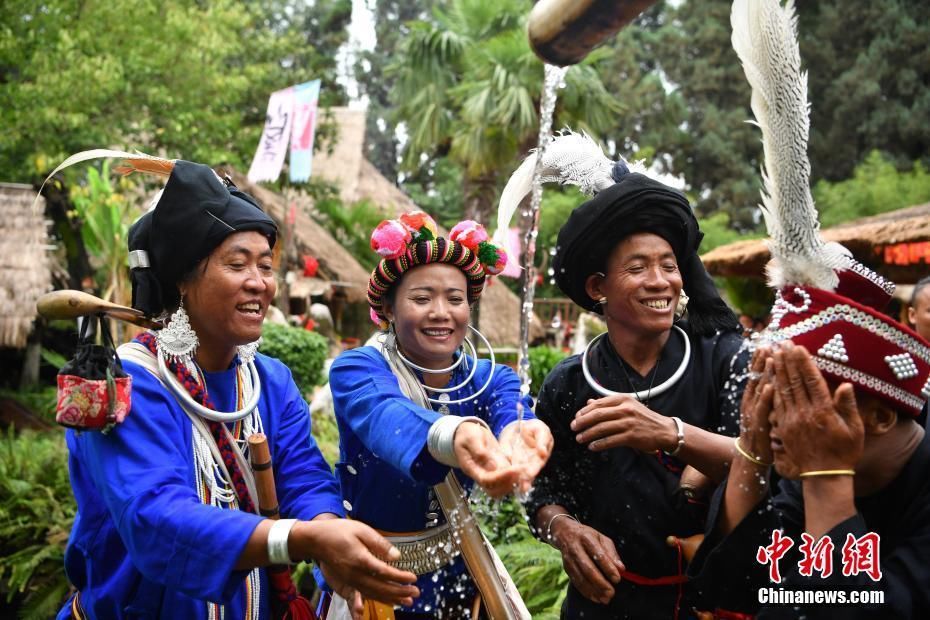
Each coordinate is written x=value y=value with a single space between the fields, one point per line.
x=853 y=342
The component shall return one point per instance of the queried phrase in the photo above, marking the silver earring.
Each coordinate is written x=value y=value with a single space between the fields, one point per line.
x=177 y=340
x=247 y=351
x=682 y=305
x=602 y=301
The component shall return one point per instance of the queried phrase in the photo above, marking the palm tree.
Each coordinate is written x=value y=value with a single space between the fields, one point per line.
x=468 y=88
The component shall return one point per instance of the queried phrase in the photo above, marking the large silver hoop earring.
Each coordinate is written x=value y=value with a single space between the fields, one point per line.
x=177 y=341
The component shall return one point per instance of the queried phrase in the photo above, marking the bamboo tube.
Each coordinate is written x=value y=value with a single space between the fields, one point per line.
x=260 y=456
x=563 y=32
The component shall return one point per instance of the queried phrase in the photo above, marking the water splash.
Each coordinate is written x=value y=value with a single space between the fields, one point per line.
x=554 y=79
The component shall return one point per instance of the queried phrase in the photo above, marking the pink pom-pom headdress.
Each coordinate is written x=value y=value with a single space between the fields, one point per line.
x=413 y=239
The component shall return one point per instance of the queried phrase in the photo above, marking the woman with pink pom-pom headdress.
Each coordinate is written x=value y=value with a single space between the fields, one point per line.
x=420 y=410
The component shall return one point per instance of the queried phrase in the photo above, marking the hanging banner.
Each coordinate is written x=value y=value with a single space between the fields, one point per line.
x=304 y=126
x=266 y=166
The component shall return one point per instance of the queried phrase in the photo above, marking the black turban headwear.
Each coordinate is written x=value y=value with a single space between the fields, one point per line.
x=193 y=216
x=638 y=204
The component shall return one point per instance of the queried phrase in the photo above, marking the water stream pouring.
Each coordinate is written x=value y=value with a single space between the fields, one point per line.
x=561 y=32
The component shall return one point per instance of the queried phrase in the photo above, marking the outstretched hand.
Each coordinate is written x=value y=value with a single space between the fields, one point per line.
x=482 y=459
x=354 y=560
x=527 y=445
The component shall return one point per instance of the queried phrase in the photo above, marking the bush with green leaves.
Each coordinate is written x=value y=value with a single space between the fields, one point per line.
x=536 y=568
x=36 y=512
x=303 y=351
x=542 y=360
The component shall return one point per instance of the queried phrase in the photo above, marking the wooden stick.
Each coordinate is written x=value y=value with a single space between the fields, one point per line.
x=71 y=304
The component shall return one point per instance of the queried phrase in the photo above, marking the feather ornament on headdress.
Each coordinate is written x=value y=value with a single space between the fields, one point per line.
x=570 y=159
x=765 y=39
x=134 y=162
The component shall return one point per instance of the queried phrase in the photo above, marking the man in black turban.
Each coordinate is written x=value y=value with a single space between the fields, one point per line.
x=644 y=401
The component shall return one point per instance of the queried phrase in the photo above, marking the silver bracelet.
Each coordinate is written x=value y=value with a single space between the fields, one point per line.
x=440 y=441
x=681 y=437
x=554 y=517
x=277 y=541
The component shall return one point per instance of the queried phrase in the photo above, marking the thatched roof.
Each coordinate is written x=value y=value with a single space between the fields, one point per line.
x=864 y=237
x=358 y=179
x=24 y=271
x=336 y=264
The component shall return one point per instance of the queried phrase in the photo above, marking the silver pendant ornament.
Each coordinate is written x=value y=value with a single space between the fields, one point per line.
x=177 y=341
x=247 y=351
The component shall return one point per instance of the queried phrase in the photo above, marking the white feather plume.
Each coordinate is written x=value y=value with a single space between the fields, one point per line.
x=570 y=159
x=159 y=164
x=765 y=39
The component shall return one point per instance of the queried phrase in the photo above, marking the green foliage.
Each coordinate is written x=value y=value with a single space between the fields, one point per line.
x=326 y=433
x=876 y=187
x=869 y=82
x=557 y=204
x=303 y=351
x=40 y=399
x=717 y=232
x=350 y=225
x=708 y=141
x=750 y=296
x=105 y=216
x=467 y=86
x=536 y=569
x=183 y=78
x=542 y=360
x=36 y=513
x=436 y=187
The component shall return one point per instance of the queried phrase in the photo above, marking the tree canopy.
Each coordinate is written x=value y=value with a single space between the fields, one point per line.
x=188 y=79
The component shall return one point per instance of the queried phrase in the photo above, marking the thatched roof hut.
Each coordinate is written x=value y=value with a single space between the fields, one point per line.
x=896 y=244
x=24 y=270
x=336 y=264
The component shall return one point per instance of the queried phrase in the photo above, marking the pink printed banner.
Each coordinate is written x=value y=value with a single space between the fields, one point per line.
x=269 y=158
x=305 y=107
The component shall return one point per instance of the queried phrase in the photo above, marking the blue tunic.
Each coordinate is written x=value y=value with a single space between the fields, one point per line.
x=143 y=544
x=385 y=469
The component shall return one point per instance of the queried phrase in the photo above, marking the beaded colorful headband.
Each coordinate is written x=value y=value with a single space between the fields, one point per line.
x=413 y=239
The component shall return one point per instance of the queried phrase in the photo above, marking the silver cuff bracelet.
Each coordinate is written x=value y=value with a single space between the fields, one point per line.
x=441 y=437
x=680 y=427
x=277 y=541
